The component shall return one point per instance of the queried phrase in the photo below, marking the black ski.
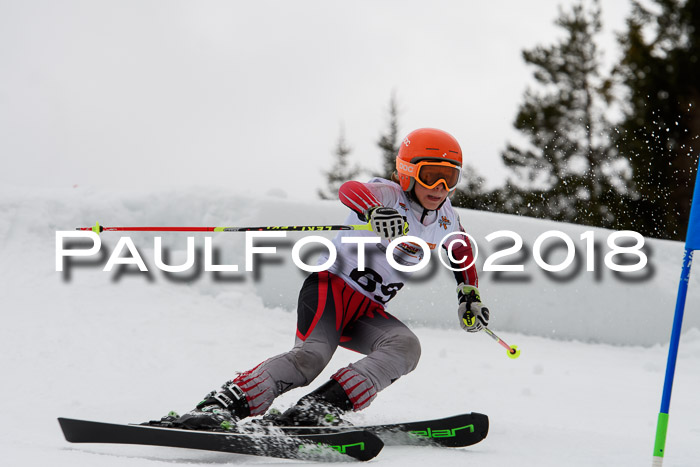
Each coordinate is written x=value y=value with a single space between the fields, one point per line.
x=357 y=444
x=456 y=431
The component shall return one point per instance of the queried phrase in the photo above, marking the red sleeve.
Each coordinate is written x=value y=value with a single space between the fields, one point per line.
x=463 y=254
x=357 y=197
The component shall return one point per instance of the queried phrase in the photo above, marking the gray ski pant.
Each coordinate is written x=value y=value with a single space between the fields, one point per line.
x=330 y=313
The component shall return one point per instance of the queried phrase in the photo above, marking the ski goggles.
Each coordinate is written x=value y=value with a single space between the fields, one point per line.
x=431 y=173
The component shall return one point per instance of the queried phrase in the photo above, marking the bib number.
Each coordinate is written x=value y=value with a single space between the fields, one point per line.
x=371 y=281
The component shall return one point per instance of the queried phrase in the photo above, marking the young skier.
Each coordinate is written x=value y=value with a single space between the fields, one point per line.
x=345 y=305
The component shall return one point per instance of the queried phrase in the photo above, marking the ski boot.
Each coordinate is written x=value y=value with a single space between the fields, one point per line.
x=220 y=410
x=322 y=407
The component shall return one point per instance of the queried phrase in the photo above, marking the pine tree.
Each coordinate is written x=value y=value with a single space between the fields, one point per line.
x=471 y=193
x=389 y=141
x=569 y=171
x=341 y=171
x=661 y=125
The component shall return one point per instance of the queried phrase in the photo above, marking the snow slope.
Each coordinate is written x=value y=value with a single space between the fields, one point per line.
x=129 y=346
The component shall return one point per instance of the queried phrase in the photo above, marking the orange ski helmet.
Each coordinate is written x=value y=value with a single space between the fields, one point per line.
x=431 y=157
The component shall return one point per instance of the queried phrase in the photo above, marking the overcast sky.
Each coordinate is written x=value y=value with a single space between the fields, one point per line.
x=251 y=95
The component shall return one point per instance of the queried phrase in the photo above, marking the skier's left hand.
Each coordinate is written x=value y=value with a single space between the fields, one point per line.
x=473 y=315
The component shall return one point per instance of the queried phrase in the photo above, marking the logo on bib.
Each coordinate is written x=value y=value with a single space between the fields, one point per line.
x=444 y=222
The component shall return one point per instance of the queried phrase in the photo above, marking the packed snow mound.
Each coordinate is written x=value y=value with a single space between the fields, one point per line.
x=602 y=305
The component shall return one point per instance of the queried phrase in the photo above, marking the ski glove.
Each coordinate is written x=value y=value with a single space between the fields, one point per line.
x=473 y=315
x=387 y=222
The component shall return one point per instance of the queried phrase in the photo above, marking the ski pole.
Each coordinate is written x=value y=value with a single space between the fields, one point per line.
x=513 y=351
x=97 y=228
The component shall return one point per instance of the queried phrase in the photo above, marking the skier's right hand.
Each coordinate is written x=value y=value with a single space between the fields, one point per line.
x=473 y=315
x=387 y=222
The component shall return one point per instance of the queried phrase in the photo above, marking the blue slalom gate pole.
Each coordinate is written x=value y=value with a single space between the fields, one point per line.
x=692 y=242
